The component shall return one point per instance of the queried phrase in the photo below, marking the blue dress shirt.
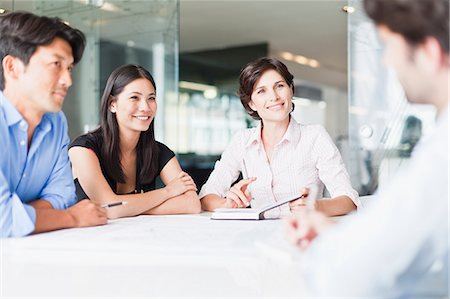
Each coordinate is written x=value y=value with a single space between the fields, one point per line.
x=42 y=172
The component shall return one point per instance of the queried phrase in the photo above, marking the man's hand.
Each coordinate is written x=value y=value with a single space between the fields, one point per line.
x=300 y=204
x=304 y=226
x=87 y=213
x=239 y=196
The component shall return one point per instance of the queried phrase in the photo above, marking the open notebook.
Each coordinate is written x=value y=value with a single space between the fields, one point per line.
x=258 y=214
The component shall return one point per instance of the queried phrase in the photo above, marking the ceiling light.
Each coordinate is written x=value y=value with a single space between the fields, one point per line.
x=348 y=9
x=110 y=7
x=301 y=59
x=210 y=93
x=313 y=63
x=195 y=86
x=2 y=10
x=287 y=55
x=131 y=43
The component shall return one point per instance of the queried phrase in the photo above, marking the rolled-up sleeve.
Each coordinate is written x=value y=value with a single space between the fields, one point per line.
x=226 y=170
x=16 y=218
x=331 y=167
x=59 y=189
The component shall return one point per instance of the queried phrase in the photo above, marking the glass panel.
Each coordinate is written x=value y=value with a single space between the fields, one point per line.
x=6 y=5
x=117 y=32
x=384 y=128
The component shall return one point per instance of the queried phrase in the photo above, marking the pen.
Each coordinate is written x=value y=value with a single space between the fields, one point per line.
x=114 y=204
x=300 y=197
x=244 y=170
x=245 y=176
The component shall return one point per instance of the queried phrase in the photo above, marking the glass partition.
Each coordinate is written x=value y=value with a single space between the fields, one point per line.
x=118 y=32
x=383 y=127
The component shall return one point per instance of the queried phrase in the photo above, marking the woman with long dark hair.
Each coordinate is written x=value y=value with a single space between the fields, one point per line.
x=119 y=161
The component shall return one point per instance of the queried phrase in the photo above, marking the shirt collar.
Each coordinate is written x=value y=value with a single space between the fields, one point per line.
x=12 y=116
x=255 y=135
x=292 y=134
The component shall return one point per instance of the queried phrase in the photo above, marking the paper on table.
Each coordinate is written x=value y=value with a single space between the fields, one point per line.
x=154 y=235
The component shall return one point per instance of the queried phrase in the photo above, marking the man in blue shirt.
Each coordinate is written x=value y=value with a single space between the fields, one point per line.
x=37 y=193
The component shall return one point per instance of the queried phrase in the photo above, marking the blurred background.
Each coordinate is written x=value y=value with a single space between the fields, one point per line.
x=196 y=49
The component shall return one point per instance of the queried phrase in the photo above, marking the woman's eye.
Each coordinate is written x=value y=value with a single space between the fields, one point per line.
x=281 y=85
x=152 y=99
x=134 y=98
x=56 y=63
x=260 y=91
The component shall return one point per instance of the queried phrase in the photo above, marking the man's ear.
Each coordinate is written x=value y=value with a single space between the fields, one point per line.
x=12 y=67
x=430 y=55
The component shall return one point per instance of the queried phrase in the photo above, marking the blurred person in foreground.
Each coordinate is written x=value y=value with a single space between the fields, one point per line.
x=398 y=247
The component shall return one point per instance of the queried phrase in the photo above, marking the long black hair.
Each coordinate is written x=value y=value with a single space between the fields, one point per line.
x=146 y=149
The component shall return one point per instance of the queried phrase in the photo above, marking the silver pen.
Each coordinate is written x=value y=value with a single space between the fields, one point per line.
x=114 y=204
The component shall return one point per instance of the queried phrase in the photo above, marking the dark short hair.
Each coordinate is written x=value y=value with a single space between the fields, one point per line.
x=415 y=20
x=23 y=32
x=252 y=72
x=147 y=149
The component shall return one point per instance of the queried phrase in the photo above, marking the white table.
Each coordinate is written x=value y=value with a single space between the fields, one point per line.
x=153 y=256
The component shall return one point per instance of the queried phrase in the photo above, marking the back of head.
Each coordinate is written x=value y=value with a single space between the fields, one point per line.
x=23 y=32
x=415 y=20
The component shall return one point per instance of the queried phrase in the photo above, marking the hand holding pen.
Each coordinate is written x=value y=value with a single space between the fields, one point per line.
x=114 y=204
x=301 y=202
x=303 y=226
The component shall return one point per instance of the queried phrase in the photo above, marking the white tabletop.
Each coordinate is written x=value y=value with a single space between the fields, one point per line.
x=149 y=256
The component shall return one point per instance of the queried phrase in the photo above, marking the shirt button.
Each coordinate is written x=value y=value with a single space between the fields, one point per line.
x=22 y=124
x=22 y=142
x=24 y=175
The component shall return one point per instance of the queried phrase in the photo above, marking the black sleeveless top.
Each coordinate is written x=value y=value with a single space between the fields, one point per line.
x=94 y=142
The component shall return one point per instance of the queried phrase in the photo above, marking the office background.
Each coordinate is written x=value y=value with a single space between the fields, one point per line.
x=195 y=50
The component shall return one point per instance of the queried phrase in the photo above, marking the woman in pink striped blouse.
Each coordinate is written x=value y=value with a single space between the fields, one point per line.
x=279 y=157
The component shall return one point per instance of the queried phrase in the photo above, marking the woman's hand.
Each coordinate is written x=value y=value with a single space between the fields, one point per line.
x=239 y=196
x=181 y=184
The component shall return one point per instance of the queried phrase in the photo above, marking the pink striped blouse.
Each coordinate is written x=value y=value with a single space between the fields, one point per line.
x=305 y=155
